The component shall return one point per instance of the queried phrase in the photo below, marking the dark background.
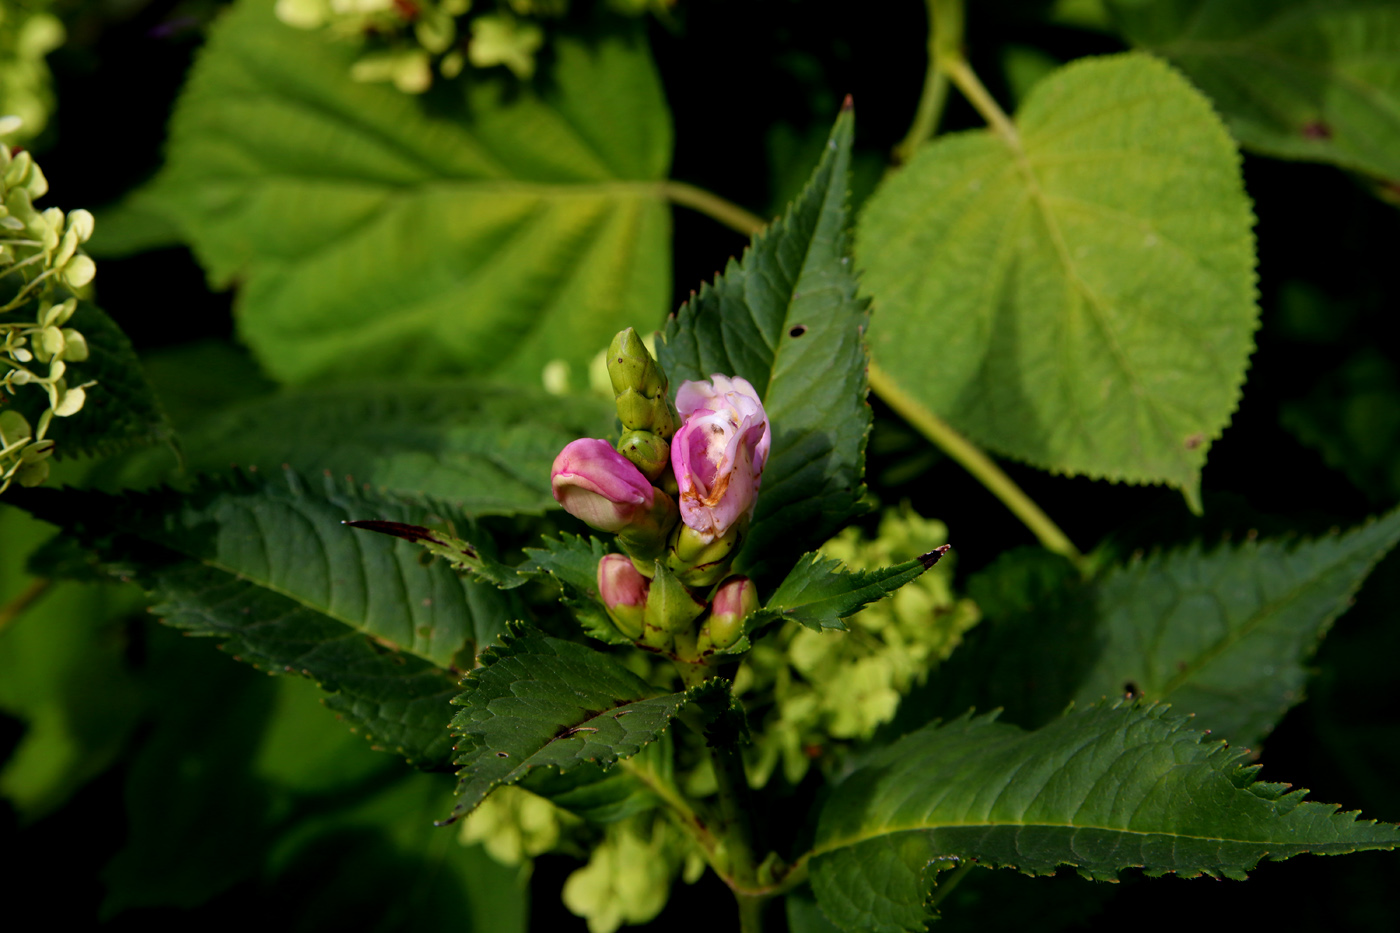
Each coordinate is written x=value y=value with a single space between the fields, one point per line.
x=750 y=83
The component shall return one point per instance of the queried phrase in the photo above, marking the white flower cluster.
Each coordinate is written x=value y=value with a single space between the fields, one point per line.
x=39 y=261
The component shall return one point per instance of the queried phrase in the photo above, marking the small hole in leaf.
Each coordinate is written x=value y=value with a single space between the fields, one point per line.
x=503 y=754
x=798 y=330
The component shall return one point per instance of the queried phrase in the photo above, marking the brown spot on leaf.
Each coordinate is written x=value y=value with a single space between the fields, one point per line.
x=798 y=330
x=1316 y=129
x=1195 y=440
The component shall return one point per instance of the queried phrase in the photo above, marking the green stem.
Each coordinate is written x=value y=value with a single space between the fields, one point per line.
x=15 y=607
x=750 y=913
x=972 y=459
x=966 y=81
x=712 y=205
x=945 y=35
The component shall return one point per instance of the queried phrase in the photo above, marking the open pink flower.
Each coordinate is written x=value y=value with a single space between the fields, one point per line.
x=719 y=453
x=595 y=483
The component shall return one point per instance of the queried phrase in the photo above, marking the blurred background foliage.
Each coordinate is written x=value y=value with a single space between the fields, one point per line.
x=168 y=786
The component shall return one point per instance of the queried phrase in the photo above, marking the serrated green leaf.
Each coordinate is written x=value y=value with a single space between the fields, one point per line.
x=1109 y=788
x=819 y=594
x=485 y=449
x=462 y=556
x=120 y=411
x=1225 y=634
x=786 y=317
x=1080 y=297
x=1297 y=79
x=572 y=561
x=269 y=568
x=375 y=232
x=395 y=701
x=540 y=702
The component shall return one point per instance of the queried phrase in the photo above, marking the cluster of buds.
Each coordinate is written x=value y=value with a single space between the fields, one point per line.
x=678 y=490
x=39 y=258
x=409 y=39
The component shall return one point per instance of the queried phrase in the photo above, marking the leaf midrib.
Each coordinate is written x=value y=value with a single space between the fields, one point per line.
x=1091 y=299
x=858 y=838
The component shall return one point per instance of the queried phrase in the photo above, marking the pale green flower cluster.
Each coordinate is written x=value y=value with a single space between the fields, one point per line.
x=629 y=873
x=28 y=33
x=407 y=40
x=810 y=691
x=39 y=261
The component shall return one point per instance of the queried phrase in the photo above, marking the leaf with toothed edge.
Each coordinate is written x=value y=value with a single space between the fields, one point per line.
x=460 y=555
x=1077 y=292
x=572 y=561
x=1122 y=785
x=540 y=702
x=1225 y=633
x=818 y=594
x=787 y=318
x=267 y=568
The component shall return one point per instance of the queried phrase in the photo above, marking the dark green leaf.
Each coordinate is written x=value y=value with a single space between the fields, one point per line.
x=1224 y=634
x=270 y=569
x=573 y=562
x=485 y=449
x=1297 y=79
x=460 y=555
x=539 y=701
x=786 y=317
x=1079 y=295
x=1109 y=788
x=491 y=228
x=121 y=410
x=819 y=594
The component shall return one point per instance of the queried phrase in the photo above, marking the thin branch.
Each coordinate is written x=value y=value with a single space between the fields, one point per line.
x=712 y=205
x=972 y=459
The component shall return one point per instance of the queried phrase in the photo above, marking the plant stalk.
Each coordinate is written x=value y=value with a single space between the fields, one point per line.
x=712 y=205
x=945 y=36
x=972 y=459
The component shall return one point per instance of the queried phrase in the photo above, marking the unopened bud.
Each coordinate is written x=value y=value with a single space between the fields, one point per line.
x=598 y=485
x=735 y=601
x=640 y=387
x=671 y=608
x=701 y=562
x=647 y=451
x=624 y=593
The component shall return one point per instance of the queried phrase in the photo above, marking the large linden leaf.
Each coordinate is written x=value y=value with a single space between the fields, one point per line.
x=1299 y=79
x=1080 y=297
x=372 y=231
x=1103 y=789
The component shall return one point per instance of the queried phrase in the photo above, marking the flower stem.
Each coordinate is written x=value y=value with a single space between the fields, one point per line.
x=945 y=34
x=972 y=459
x=966 y=81
x=712 y=205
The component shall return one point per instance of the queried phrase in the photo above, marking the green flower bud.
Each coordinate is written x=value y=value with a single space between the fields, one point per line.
x=671 y=608
x=700 y=563
x=640 y=387
x=648 y=453
x=734 y=601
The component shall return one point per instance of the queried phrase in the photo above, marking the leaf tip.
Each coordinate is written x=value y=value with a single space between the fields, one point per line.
x=848 y=104
x=934 y=556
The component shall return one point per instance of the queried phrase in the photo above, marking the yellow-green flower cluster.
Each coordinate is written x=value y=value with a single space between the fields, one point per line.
x=812 y=690
x=28 y=33
x=40 y=260
x=406 y=41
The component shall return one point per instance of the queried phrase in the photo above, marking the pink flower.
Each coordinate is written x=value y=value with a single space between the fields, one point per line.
x=719 y=453
x=597 y=484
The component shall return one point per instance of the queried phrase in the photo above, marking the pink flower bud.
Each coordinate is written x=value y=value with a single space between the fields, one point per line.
x=735 y=600
x=719 y=453
x=624 y=593
x=597 y=484
x=620 y=583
